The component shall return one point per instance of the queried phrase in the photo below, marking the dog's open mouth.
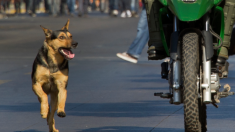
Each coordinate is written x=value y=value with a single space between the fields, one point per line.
x=67 y=53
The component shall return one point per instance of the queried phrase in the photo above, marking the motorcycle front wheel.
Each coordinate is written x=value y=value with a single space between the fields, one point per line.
x=194 y=109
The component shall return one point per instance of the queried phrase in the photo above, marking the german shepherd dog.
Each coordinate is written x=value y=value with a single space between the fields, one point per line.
x=50 y=73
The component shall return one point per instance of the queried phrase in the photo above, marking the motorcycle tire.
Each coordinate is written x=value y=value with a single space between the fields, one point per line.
x=190 y=70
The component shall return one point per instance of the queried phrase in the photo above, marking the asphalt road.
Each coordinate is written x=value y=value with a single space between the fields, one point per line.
x=105 y=93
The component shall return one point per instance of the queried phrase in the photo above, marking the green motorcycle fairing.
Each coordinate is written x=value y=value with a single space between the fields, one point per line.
x=189 y=11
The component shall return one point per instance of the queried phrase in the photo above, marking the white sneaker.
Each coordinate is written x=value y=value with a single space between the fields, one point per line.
x=128 y=12
x=123 y=15
x=127 y=57
x=115 y=12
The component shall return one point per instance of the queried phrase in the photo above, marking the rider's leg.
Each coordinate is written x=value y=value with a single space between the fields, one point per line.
x=229 y=18
x=156 y=49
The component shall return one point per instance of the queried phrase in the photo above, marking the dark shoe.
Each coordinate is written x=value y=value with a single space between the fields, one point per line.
x=79 y=14
x=221 y=61
x=156 y=54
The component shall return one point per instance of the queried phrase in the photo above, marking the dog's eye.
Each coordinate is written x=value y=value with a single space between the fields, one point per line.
x=71 y=37
x=61 y=37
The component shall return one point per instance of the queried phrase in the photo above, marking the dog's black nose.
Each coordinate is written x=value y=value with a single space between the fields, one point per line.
x=74 y=44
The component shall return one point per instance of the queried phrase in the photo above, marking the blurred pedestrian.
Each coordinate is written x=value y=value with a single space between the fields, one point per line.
x=83 y=8
x=139 y=42
x=47 y=6
x=17 y=6
x=134 y=8
x=113 y=7
x=54 y=6
x=71 y=4
x=31 y=7
x=104 y=6
x=125 y=7
x=63 y=7
x=95 y=4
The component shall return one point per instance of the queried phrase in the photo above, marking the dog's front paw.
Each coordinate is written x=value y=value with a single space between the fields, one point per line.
x=44 y=111
x=61 y=114
x=44 y=115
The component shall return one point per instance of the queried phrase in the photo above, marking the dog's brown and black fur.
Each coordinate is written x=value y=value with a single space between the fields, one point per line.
x=50 y=73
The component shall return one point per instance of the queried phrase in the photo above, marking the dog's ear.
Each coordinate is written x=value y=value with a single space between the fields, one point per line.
x=66 y=26
x=47 y=32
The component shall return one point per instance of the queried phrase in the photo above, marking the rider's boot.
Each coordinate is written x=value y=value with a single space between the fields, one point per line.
x=156 y=50
x=229 y=18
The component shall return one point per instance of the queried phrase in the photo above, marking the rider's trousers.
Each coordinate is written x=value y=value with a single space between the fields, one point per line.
x=229 y=19
x=152 y=9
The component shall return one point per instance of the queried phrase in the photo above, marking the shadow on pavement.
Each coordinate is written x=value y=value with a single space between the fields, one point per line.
x=134 y=110
x=130 y=129
x=30 y=130
x=28 y=107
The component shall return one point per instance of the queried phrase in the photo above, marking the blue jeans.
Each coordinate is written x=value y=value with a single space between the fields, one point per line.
x=54 y=6
x=113 y=4
x=134 y=5
x=71 y=4
x=142 y=36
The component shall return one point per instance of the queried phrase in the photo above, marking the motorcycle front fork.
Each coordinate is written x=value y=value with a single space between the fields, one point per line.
x=176 y=71
x=206 y=82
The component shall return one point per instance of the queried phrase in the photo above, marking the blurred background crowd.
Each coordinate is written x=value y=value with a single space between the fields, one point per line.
x=80 y=8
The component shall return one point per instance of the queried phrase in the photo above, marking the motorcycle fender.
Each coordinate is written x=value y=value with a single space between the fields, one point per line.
x=208 y=44
x=175 y=55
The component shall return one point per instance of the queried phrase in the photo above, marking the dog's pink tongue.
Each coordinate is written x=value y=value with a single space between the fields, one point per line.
x=69 y=53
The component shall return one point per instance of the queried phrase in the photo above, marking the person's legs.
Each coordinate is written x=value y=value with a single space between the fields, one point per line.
x=121 y=5
x=229 y=19
x=80 y=8
x=17 y=6
x=58 y=6
x=50 y=6
x=71 y=4
x=137 y=6
x=156 y=49
x=139 y=42
x=29 y=4
x=46 y=6
x=55 y=7
x=63 y=7
x=115 y=4
x=68 y=4
x=142 y=36
x=132 y=5
x=127 y=6
x=113 y=7
x=85 y=7
x=102 y=5
x=34 y=3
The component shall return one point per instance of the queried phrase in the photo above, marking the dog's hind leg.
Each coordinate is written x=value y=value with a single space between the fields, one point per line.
x=43 y=99
x=54 y=106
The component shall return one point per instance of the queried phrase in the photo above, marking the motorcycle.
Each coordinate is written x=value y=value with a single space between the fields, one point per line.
x=193 y=46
